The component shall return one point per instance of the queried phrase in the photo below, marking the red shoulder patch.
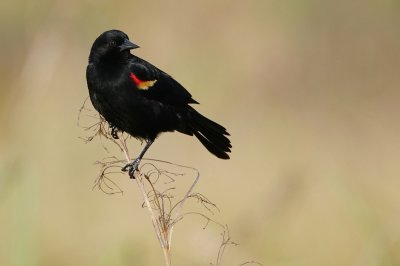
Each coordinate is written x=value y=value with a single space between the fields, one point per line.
x=141 y=84
x=135 y=79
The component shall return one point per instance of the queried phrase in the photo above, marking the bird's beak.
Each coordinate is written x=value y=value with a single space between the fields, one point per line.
x=127 y=45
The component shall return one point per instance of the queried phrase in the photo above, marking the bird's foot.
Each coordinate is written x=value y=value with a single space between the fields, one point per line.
x=114 y=132
x=131 y=167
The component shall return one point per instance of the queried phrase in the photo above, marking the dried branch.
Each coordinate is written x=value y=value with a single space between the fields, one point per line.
x=164 y=209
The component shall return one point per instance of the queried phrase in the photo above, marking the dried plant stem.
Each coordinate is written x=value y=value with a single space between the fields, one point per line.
x=162 y=236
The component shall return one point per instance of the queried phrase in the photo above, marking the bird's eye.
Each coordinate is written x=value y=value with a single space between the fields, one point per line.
x=113 y=43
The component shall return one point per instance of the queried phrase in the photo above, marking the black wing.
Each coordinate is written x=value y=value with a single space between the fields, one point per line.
x=158 y=85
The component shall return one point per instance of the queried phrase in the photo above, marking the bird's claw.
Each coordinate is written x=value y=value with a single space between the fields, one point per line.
x=114 y=132
x=131 y=168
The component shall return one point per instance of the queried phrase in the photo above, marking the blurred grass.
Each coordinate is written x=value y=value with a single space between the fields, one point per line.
x=308 y=90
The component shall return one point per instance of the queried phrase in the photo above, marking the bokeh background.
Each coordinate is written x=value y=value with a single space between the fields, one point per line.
x=309 y=91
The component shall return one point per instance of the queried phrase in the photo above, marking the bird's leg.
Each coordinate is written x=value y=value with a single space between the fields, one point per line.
x=133 y=166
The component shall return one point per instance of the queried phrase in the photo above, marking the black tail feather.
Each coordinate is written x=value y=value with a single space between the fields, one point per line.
x=200 y=119
x=213 y=135
x=211 y=147
x=210 y=134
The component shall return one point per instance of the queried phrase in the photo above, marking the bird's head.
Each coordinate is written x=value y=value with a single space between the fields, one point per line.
x=111 y=45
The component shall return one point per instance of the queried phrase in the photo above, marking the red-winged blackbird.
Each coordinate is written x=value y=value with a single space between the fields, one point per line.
x=138 y=98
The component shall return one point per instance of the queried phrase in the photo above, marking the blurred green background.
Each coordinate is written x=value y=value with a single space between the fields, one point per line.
x=309 y=91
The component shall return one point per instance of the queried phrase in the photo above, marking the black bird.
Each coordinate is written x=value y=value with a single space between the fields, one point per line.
x=138 y=98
